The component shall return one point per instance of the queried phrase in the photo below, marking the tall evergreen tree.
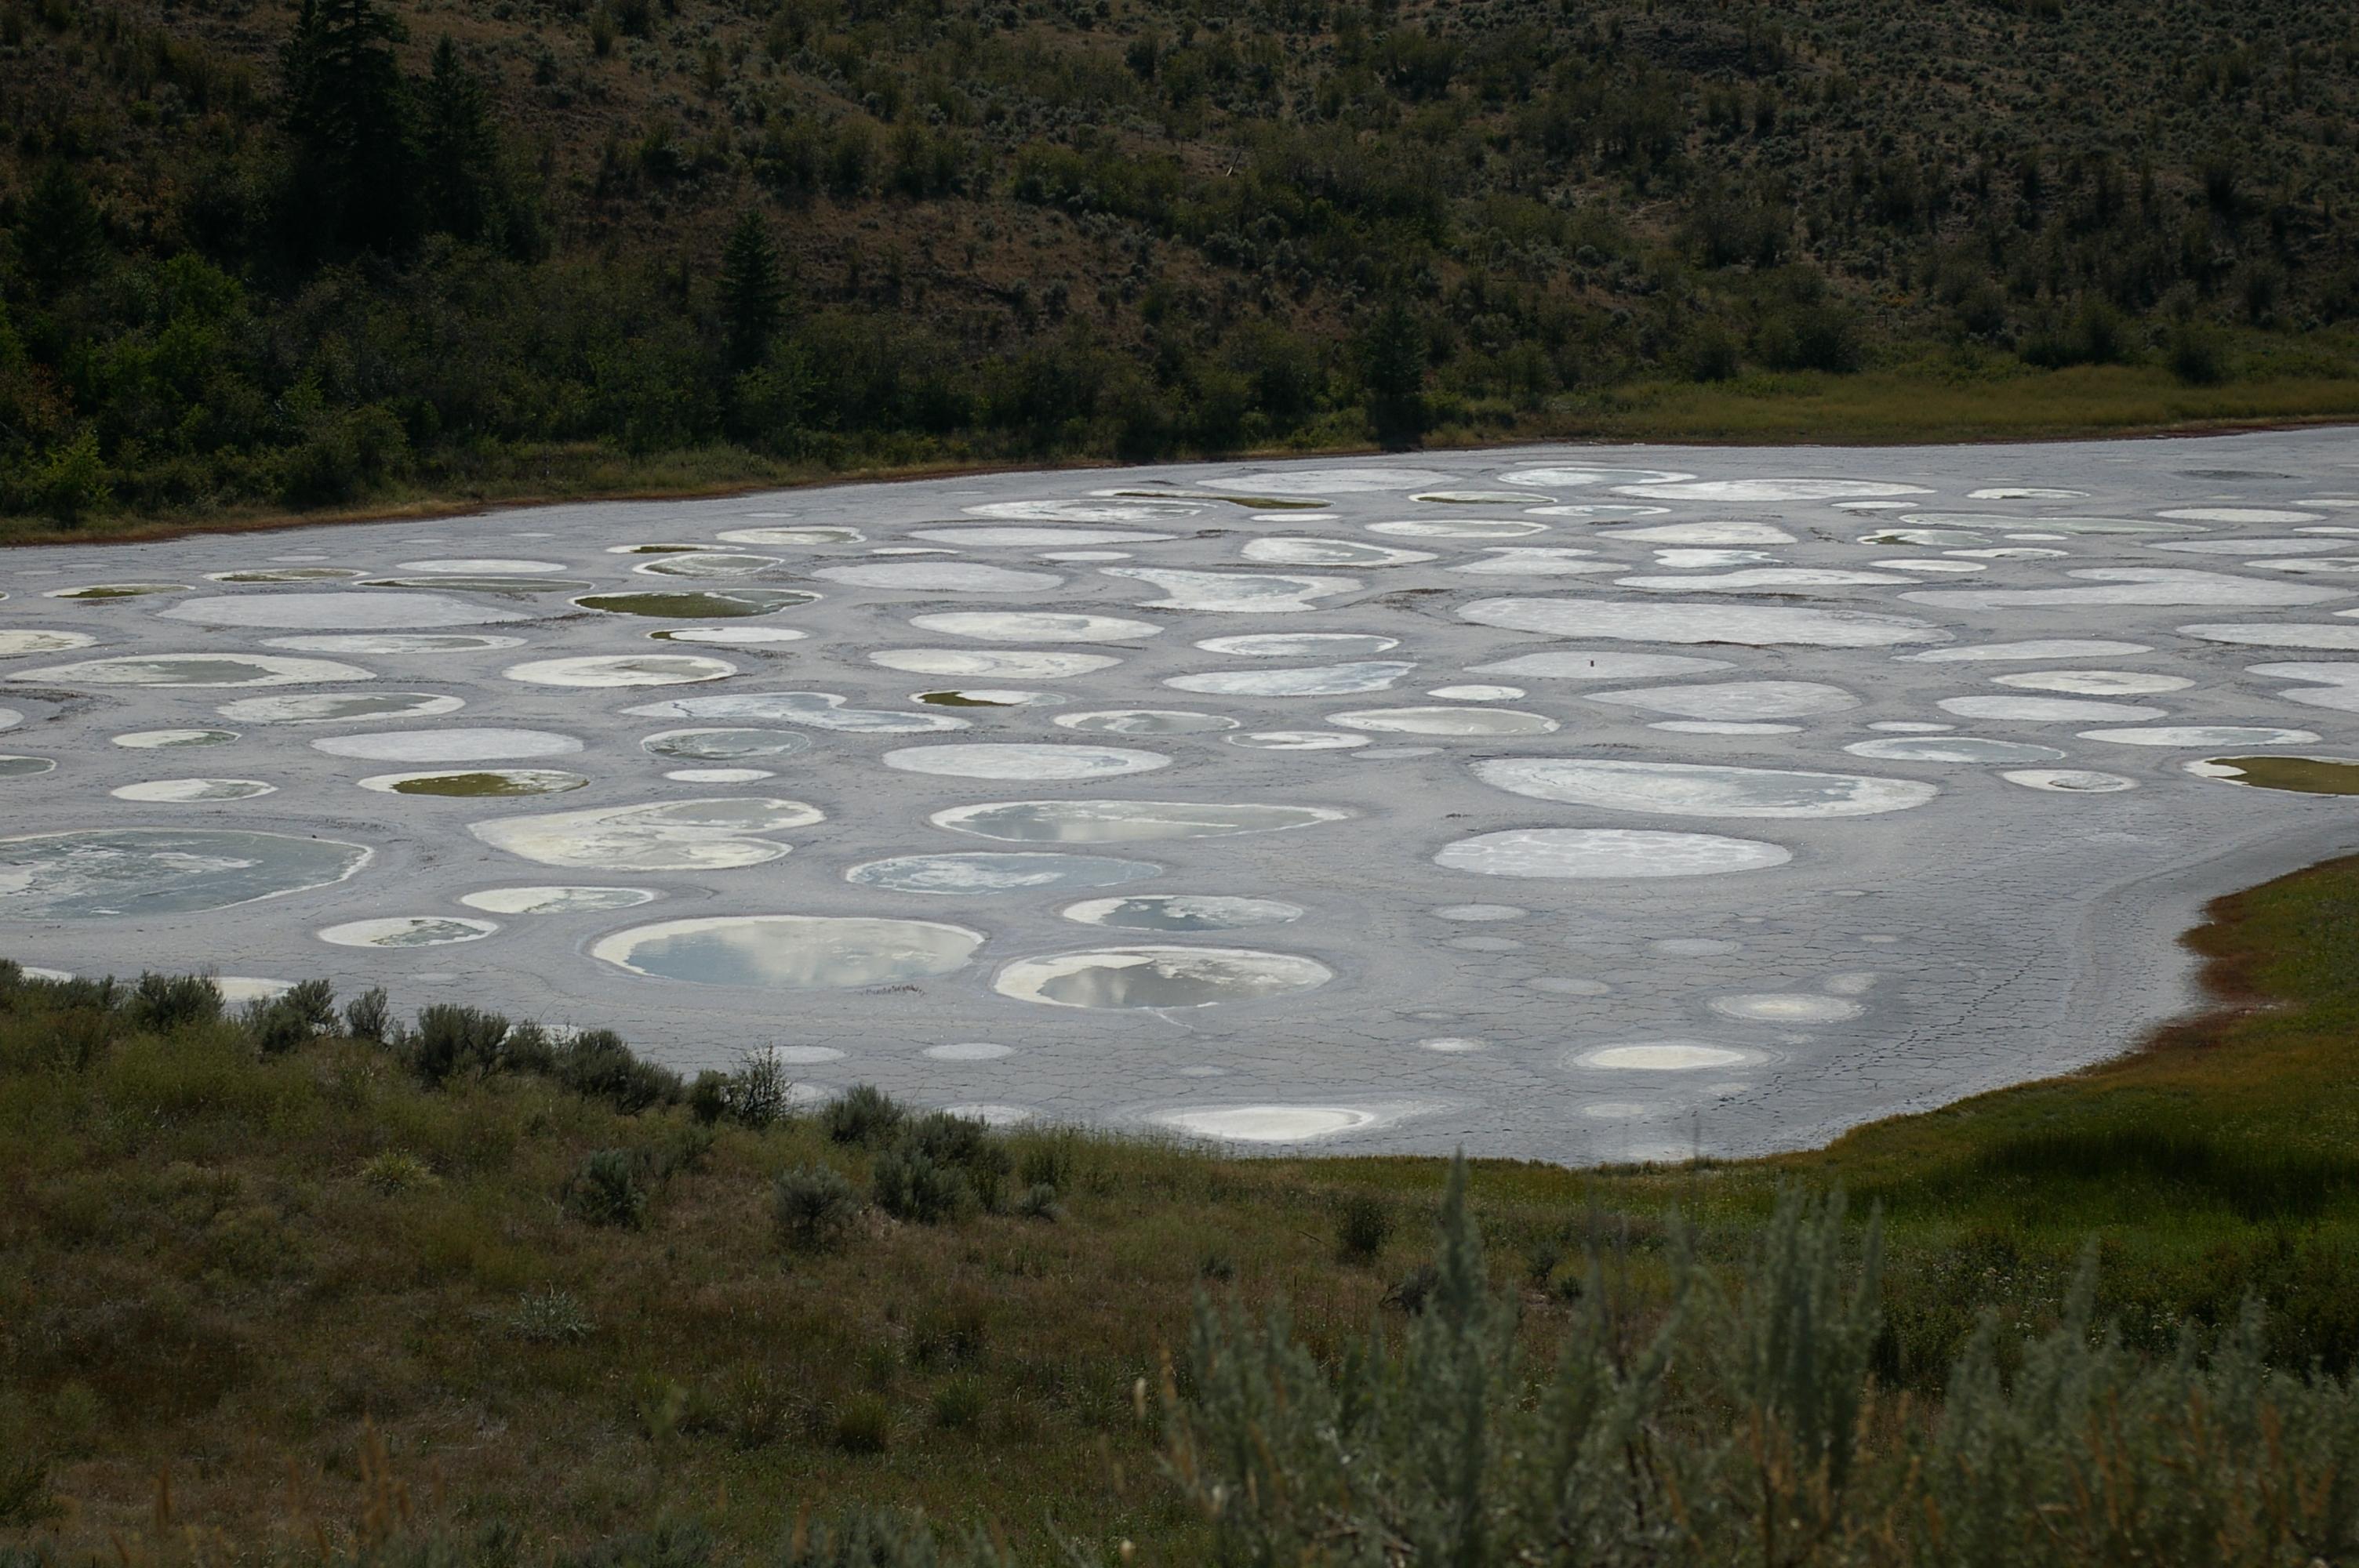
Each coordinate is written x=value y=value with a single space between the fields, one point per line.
x=458 y=152
x=752 y=291
x=60 y=237
x=1392 y=367
x=346 y=107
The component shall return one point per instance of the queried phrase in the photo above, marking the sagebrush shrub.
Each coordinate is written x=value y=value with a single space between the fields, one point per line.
x=605 y=1189
x=161 y=1004
x=863 y=1114
x=909 y=1183
x=1363 y=1225
x=812 y=1207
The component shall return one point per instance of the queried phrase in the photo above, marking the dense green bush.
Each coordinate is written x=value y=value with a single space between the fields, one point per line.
x=813 y=1208
x=606 y=1189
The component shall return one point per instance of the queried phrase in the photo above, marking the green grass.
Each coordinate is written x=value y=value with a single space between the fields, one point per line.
x=252 y=1272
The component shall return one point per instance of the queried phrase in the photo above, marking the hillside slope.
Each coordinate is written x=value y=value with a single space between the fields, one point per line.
x=260 y=256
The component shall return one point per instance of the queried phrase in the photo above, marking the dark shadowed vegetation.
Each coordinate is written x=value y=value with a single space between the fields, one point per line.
x=354 y=253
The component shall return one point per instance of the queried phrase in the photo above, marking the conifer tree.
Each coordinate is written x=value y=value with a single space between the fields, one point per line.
x=458 y=152
x=1392 y=367
x=752 y=291
x=345 y=105
x=60 y=237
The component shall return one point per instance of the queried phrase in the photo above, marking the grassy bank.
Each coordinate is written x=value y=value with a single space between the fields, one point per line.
x=276 y=1289
x=1944 y=399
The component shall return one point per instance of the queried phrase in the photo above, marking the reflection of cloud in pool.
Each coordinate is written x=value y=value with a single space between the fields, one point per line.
x=1971 y=749
x=195 y=670
x=724 y=745
x=1316 y=680
x=1251 y=593
x=1145 y=721
x=1183 y=912
x=674 y=835
x=983 y=874
x=1152 y=977
x=1125 y=821
x=1286 y=552
x=617 y=670
x=160 y=872
x=1701 y=789
x=1460 y=528
x=2069 y=781
x=17 y=640
x=1299 y=644
x=1034 y=626
x=1296 y=741
x=558 y=900
x=991 y=761
x=191 y=791
x=791 y=952
x=1607 y=853
x=1433 y=721
x=1006 y=664
x=338 y=707
x=409 y=931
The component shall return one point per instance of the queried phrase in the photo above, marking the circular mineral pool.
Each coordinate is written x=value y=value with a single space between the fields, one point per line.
x=791 y=952
x=1123 y=821
x=493 y=784
x=1183 y=912
x=192 y=792
x=977 y=875
x=158 y=739
x=1153 y=978
x=409 y=931
x=1608 y=852
x=148 y=871
x=557 y=900
x=724 y=745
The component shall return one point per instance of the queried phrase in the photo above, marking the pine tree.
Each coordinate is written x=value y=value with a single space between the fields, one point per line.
x=1392 y=367
x=458 y=152
x=752 y=291
x=60 y=237
x=346 y=107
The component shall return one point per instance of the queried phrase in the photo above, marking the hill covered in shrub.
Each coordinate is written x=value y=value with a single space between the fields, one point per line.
x=264 y=256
